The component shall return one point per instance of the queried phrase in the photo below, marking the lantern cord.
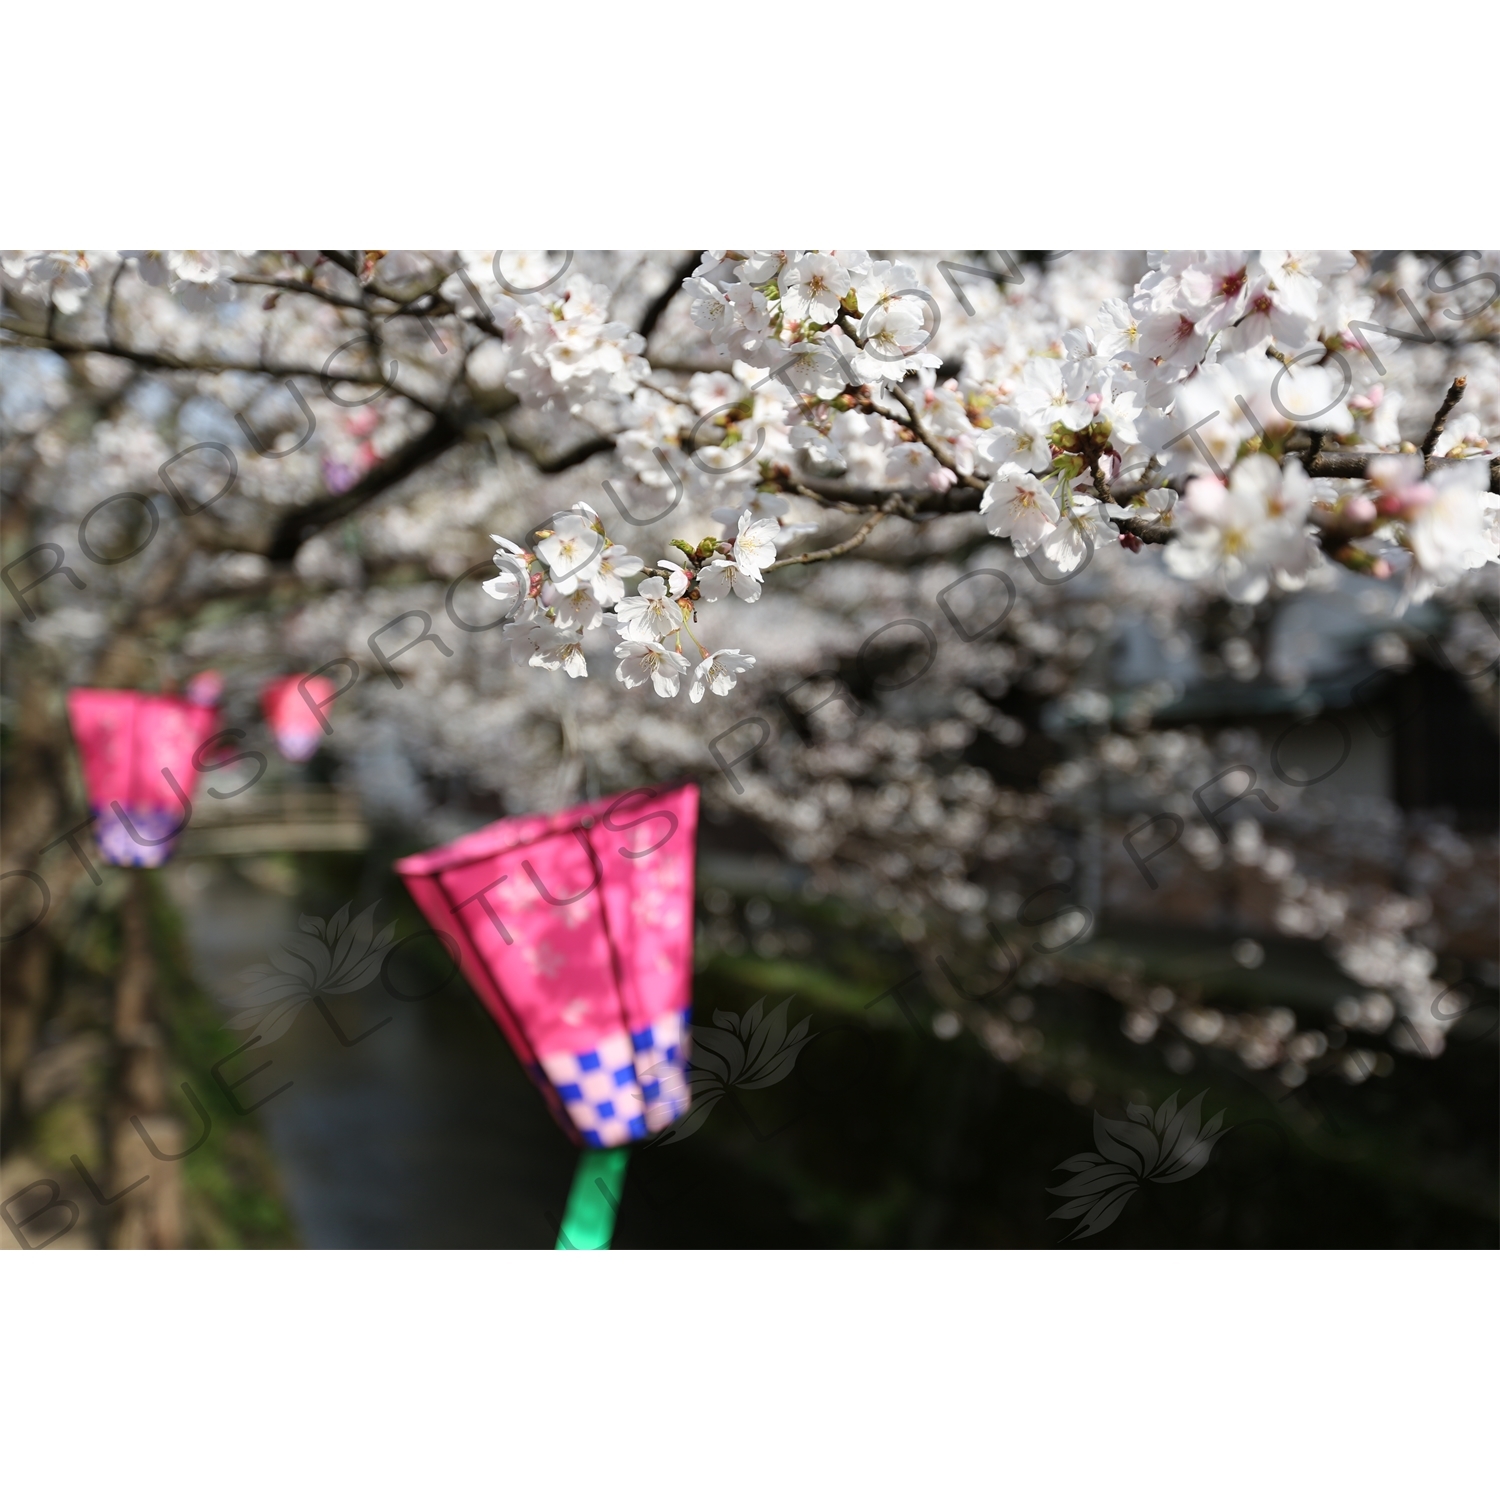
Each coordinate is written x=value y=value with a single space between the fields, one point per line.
x=589 y=1219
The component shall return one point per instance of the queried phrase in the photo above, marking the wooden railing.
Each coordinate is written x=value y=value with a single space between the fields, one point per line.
x=297 y=819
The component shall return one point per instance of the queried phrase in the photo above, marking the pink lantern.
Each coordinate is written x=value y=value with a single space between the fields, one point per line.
x=575 y=928
x=293 y=721
x=137 y=753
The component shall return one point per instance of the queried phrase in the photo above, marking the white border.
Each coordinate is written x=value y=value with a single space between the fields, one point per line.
x=1092 y=124
x=750 y=1374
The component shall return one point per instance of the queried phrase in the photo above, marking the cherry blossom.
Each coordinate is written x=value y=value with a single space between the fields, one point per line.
x=648 y=660
x=812 y=287
x=573 y=549
x=650 y=613
x=1245 y=532
x=719 y=672
x=1019 y=505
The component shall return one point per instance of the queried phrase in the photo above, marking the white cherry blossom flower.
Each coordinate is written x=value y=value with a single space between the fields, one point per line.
x=1215 y=289
x=943 y=407
x=203 y=278
x=1081 y=527
x=1014 y=439
x=724 y=574
x=718 y=673
x=1248 y=533
x=679 y=574
x=646 y=660
x=913 y=466
x=1463 y=437
x=573 y=550
x=1268 y=315
x=1116 y=408
x=752 y=323
x=1020 y=506
x=879 y=283
x=616 y=564
x=820 y=455
x=709 y=390
x=811 y=369
x=1172 y=339
x=712 y=311
x=812 y=288
x=520 y=633
x=651 y=614
x=1120 y=331
x=195 y=265
x=576 y=608
x=1307 y=395
x=513 y=582
x=1155 y=506
x=1052 y=390
x=896 y=335
x=553 y=648
x=1296 y=276
x=755 y=544
x=757 y=267
x=154 y=266
x=64 y=268
x=1452 y=532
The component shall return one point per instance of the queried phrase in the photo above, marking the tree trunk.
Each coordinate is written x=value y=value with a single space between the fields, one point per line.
x=34 y=804
x=148 y=1216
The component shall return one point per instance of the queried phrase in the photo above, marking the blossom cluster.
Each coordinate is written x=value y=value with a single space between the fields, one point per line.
x=197 y=278
x=1193 y=410
x=566 y=350
x=574 y=581
x=1194 y=398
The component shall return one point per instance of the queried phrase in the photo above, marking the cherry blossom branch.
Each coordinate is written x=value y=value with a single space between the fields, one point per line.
x=965 y=495
x=299 y=525
x=569 y=458
x=307 y=288
x=1338 y=465
x=1101 y=481
x=1454 y=396
x=171 y=363
x=343 y=260
x=928 y=441
x=838 y=550
x=675 y=397
x=658 y=305
x=213 y=365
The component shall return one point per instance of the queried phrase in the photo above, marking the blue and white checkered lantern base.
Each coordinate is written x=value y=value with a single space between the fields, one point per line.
x=629 y=1086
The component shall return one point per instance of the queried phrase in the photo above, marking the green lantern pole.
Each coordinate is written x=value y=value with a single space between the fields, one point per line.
x=594 y=1200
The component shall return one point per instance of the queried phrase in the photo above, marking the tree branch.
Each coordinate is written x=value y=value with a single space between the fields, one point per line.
x=848 y=545
x=210 y=366
x=929 y=441
x=297 y=526
x=343 y=260
x=1454 y=396
x=307 y=288
x=663 y=300
x=569 y=458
